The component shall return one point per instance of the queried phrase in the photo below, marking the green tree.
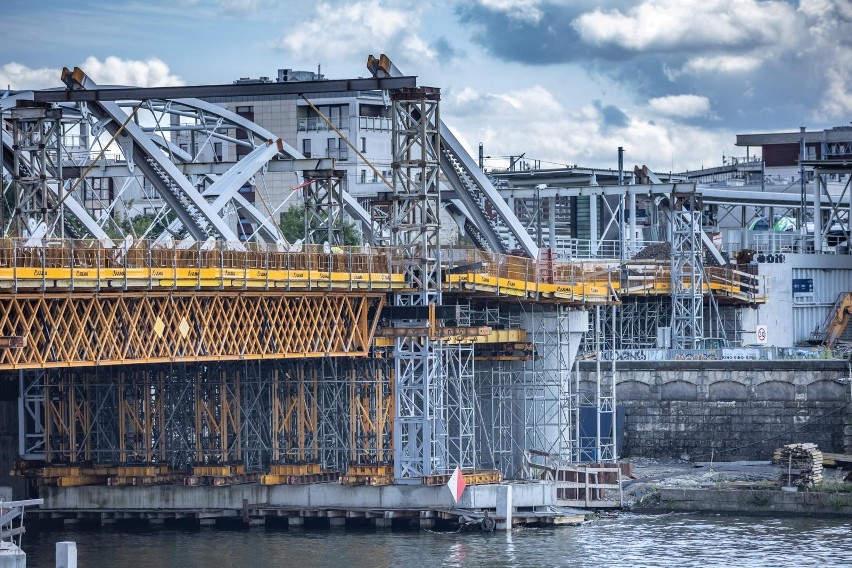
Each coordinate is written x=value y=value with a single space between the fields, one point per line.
x=293 y=226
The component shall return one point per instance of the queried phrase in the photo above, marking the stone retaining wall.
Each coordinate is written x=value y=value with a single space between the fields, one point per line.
x=729 y=409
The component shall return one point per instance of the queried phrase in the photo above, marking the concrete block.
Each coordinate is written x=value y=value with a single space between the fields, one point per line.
x=295 y=522
x=504 y=505
x=336 y=522
x=382 y=523
x=66 y=554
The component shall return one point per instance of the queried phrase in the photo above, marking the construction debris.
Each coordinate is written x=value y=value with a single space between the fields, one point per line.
x=801 y=464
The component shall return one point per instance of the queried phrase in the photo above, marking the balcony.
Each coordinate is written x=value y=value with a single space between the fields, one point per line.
x=316 y=124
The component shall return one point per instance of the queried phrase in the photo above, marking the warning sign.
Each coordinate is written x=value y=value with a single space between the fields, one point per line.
x=761 y=334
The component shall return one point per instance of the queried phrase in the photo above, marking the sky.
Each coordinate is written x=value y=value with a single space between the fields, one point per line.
x=563 y=82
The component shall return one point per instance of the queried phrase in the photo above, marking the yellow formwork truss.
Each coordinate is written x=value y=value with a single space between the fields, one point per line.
x=83 y=329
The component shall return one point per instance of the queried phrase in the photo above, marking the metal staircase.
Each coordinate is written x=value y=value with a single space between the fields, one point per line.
x=499 y=239
x=192 y=211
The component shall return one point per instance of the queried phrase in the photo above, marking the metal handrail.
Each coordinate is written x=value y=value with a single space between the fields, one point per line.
x=9 y=512
x=84 y=254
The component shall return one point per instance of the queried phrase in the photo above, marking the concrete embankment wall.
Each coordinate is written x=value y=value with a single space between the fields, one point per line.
x=730 y=409
x=756 y=502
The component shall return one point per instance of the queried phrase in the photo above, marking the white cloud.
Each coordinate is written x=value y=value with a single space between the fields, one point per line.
x=152 y=72
x=19 y=77
x=681 y=106
x=333 y=32
x=526 y=11
x=550 y=129
x=690 y=24
x=111 y=71
x=721 y=64
x=829 y=22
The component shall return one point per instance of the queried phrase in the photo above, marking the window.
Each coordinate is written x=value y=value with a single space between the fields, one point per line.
x=375 y=176
x=343 y=150
x=331 y=148
x=363 y=144
x=306 y=147
x=148 y=191
x=363 y=176
x=217 y=151
x=244 y=109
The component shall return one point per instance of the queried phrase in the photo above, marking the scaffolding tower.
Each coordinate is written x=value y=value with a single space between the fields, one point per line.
x=687 y=273
x=420 y=434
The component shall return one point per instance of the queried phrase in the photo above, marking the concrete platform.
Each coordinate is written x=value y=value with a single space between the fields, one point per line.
x=530 y=501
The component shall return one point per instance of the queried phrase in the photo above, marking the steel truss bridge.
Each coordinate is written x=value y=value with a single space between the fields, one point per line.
x=208 y=346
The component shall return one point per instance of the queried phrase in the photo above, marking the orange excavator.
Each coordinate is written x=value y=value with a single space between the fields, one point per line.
x=836 y=321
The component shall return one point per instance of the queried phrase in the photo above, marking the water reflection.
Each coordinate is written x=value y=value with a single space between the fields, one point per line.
x=669 y=540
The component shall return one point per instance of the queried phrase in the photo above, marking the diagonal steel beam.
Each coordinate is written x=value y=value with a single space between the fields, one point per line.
x=154 y=159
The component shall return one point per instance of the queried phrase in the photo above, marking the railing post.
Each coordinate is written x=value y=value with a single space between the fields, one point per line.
x=150 y=260
x=126 y=255
x=198 y=276
x=43 y=265
x=71 y=261
x=174 y=264
x=98 y=263
x=221 y=266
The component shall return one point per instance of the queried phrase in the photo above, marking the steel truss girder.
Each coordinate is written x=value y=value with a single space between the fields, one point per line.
x=226 y=187
x=474 y=189
x=186 y=201
x=80 y=329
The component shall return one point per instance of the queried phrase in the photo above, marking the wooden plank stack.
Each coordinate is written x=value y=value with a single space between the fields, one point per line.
x=801 y=464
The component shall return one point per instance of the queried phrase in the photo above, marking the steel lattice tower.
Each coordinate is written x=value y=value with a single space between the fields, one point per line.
x=420 y=436
x=687 y=274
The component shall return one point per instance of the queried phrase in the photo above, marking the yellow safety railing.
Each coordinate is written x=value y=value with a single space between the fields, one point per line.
x=64 y=262
x=476 y=270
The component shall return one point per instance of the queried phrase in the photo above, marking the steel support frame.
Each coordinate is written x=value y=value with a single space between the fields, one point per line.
x=532 y=404
x=323 y=198
x=687 y=273
x=420 y=435
x=330 y=411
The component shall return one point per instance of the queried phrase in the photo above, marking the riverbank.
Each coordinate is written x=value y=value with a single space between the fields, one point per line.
x=743 y=488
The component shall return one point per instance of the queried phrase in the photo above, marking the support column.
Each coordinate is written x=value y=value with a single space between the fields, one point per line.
x=505 y=507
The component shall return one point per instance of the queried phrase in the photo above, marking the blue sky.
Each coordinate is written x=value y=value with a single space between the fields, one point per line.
x=564 y=81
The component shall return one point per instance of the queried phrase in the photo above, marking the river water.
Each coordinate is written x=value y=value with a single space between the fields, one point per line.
x=630 y=540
